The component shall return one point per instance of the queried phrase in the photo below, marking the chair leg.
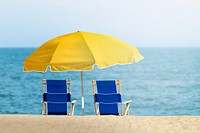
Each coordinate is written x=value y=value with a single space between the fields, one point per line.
x=72 y=108
x=96 y=109
x=127 y=109
x=122 y=109
x=43 y=108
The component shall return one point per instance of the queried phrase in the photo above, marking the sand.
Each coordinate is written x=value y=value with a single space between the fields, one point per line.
x=99 y=124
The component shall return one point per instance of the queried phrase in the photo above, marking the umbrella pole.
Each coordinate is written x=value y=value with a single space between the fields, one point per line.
x=82 y=92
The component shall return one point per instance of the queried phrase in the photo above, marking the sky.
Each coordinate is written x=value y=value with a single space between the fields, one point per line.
x=141 y=23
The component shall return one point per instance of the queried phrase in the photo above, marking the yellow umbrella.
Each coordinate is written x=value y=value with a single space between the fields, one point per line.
x=81 y=51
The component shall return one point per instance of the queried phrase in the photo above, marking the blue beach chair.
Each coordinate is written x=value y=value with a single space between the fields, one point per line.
x=108 y=97
x=56 y=96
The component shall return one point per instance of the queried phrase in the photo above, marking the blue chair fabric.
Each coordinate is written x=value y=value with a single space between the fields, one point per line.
x=57 y=108
x=107 y=97
x=56 y=86
x=106 y=86
x=56 y=97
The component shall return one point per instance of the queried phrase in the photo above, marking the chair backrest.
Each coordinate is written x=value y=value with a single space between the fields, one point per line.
x=56 y=96
x=107 y=96
x=56 y=86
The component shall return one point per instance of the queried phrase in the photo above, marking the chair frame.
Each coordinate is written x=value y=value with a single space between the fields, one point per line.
x=119 y=90
x=44 y=104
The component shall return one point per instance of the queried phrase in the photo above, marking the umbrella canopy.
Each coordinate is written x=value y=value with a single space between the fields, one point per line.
x=81 y=51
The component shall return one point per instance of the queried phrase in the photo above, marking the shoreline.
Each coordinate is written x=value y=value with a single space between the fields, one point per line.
x=95 y=124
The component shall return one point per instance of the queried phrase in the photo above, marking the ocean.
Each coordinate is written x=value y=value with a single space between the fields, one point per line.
x=165 y=83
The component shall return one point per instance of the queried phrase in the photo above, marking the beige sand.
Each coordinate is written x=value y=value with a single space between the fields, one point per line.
x=98 y=124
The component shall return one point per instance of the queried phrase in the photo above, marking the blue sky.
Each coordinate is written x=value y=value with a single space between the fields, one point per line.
x=142 y=23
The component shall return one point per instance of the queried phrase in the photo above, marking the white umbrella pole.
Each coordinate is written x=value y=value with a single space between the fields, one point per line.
x=82 y=89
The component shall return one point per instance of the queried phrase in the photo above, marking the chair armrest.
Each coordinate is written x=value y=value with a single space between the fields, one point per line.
x=129 y=101
x=73 y=101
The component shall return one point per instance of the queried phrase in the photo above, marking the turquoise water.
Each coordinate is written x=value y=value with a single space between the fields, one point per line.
x=166 y=82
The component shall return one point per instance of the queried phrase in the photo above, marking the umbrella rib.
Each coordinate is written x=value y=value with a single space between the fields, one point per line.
x=53 y=54
x=87 y=46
